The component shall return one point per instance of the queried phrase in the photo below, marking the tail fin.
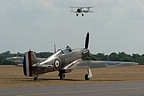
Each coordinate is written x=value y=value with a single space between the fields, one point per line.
x=29 y=60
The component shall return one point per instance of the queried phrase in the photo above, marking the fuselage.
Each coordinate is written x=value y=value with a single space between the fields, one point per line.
x=63 y=58
x=82 y=10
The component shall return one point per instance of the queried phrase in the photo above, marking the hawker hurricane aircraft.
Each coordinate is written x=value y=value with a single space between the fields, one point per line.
x=81 y=10
x=64 y=61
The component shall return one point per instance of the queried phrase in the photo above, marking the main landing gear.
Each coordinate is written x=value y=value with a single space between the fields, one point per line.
x=77 y=14
x=89 y=75
x=62 y=76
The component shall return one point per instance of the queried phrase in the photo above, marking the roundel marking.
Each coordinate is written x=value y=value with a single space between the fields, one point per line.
x=57 y=63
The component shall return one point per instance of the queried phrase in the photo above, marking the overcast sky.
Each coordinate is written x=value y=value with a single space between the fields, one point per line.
x=115 y=25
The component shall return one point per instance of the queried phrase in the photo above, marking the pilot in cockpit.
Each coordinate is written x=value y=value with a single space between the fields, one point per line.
x=65 y=50
x=68 y=48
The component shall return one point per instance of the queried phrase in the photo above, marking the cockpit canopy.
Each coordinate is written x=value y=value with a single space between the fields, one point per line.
x=66 y=50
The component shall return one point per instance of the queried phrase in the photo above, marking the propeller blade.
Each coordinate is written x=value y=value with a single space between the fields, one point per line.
x=87 y=41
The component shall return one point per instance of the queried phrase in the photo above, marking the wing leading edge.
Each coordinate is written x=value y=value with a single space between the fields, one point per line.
x=98 y=64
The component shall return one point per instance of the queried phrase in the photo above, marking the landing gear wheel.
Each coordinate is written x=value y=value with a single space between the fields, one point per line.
x=82 y=14
x=35 y=78
x=86 y=77
x=76 y=14
x=62 y=76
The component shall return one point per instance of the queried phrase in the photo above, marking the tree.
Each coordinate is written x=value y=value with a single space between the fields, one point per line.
x=100 y=56
x=114 y=57
x=124 y=57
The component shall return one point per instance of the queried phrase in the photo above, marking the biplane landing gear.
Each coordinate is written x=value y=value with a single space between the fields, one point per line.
x=62 y=76
x=89 y=75
x=82 y=14
x=76 y=14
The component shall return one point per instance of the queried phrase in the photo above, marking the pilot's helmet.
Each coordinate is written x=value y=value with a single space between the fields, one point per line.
x=68 y=48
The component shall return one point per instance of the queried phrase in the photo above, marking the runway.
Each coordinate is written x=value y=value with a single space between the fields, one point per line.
x=99 y=89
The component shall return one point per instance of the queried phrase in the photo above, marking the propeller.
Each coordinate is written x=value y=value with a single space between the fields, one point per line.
x=87 y=41
x=86 y=52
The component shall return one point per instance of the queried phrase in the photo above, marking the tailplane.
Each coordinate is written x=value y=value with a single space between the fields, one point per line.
x=29 y=60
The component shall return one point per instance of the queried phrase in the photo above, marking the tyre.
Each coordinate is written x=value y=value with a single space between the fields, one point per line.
x=86 y=77
x=62 y=75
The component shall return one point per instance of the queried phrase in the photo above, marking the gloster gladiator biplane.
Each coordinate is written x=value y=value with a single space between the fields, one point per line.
x=81 y=10
x=64 y=61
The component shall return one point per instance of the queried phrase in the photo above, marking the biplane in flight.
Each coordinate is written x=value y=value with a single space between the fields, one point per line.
x=81 y=10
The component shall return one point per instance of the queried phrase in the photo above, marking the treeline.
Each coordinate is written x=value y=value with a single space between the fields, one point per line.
x=7 y=54
x=121 y=56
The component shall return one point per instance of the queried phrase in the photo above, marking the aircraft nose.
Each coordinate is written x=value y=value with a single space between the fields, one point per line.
x=85 y=51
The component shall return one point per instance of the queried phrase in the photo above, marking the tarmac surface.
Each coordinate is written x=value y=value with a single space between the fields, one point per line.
x=101 y=89
x=120 y=81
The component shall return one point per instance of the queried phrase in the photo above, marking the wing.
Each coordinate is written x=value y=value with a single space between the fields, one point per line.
x=88 y=7
x=97 y=64
x=81 y=7
x=90 y=11
x=72 y=11
x=73 y=7
x=19 y=60
x=15 y=59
